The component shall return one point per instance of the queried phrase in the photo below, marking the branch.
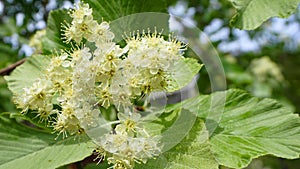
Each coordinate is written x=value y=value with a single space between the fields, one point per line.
x=10 y=68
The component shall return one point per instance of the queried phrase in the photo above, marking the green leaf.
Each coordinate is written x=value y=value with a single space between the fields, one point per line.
x=26 y=74
x=27 y=148
x=249 y=128
x=111 y=10
x=53 y=40
x=252 y=13
x=9 y=27
x=5 y=97
x=192 y=152
x=132 y=15
x=252 y=127
x=183 y=72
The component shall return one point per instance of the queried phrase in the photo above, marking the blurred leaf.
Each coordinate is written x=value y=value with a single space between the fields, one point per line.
x=234 y=72
x=252 y=13
x=7 y=55
x=27 y=148
x=8 y=28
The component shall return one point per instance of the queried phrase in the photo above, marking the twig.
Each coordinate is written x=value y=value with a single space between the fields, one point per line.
x=10 y=68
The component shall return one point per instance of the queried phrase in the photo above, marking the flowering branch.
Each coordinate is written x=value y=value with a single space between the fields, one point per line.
x=80 y=85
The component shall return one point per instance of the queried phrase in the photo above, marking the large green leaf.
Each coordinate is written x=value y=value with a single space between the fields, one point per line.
x=26 y=74
x=252 y=127
x=252 y=13
x=192 y=152
x=28 y=148
x=111 y=10
x=249 y=128
x=132 y=15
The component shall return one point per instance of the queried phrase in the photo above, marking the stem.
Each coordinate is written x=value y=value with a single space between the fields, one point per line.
x=10 y=68
x=78 y=165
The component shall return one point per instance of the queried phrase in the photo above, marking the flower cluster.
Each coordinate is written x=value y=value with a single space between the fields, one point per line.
x=98 y=74
x=84 y=26
x=35 y=42
x=265 y=68
x=130 y=143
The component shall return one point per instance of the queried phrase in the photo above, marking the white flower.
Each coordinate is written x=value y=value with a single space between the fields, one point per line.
x=129 y=122
x=121 y=96
x=64 y=124
x=102 y=34
x=36 y=96
x=104 y=96
x=108 y=59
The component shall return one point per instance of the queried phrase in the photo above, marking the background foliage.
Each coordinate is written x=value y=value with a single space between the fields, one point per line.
x=19 y=20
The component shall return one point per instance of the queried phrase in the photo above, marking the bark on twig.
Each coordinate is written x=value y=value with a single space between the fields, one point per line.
x=10 y=68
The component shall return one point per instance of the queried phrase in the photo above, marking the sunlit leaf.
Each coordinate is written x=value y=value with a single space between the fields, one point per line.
x=249 y=128
x=26 y=74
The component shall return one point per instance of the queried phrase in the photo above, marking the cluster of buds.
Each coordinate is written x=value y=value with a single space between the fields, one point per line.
x=98 y=74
